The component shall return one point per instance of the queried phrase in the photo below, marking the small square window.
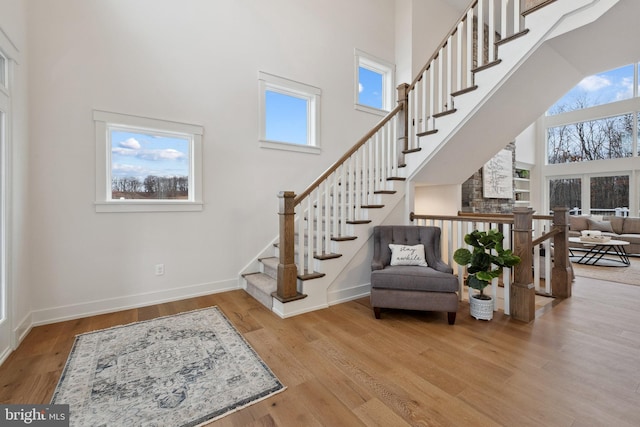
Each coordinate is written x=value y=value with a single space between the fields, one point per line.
x=147 y=165
x=287 y=118
x=289 y=114
x=374 y=84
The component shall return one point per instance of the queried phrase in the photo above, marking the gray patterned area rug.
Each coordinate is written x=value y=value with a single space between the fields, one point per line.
x=181 y=370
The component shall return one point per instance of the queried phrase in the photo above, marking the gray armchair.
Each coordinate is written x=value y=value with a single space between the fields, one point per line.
x=411 y=287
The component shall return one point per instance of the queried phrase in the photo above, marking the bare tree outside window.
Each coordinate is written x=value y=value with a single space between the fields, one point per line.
x=608 y=138
x=149 y=165
x=566 y=192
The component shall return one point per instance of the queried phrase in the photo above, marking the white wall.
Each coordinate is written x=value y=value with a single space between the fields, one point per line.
x=438 y=199
x=193 y=61
x=420 y=26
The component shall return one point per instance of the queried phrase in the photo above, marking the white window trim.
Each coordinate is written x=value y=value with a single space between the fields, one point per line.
x=103 y=122
x=375 y=64
x=270 y=82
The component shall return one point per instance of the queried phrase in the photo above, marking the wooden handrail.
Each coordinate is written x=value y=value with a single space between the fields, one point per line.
x=497 y=218
x=299 y=198
x=546 y=236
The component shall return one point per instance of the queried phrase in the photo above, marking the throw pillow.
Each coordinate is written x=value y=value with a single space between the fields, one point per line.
x=600 y=225
x=408 y=255
x=578 y=222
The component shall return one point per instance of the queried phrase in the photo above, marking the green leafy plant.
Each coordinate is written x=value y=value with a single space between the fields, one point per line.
x=487 y=259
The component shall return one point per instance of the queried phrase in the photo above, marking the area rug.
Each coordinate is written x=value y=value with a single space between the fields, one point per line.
x=629 y=275
x=181 y=370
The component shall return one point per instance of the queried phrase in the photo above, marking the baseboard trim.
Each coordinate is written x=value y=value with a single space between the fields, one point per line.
x=93 y=308
x=349 y=294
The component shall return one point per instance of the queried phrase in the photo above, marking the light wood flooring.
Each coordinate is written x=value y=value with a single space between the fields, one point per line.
x=577 y=364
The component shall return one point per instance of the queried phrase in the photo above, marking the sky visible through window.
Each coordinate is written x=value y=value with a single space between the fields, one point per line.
x=286 y=118
x=138 y=155
x=603 y=88
x=370 y=88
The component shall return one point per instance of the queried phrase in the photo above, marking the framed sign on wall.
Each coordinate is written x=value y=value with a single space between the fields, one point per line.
x=497 y=176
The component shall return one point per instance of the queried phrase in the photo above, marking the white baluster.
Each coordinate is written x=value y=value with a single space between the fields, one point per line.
x=470 y=25
x=480 y=27
x=506 y=279
x=492 y=31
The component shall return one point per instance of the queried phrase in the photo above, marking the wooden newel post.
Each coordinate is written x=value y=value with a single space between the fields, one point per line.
x=523 y=293
x=287 y=270
x=561 y=274
x=403 y=131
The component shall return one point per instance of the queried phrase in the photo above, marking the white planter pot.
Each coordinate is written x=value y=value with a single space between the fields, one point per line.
x=481 y=309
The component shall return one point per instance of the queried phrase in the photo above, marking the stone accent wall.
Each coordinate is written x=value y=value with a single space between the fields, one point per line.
x=473 y=200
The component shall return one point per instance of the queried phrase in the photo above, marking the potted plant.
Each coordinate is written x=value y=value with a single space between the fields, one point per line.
x=484 y=264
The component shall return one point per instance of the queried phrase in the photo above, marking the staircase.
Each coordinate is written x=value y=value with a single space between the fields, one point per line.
x=429 y=138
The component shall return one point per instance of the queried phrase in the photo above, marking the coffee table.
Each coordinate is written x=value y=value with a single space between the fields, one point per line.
x=596 y=253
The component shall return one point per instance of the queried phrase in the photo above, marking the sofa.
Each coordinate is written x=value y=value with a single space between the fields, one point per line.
x=619 y=228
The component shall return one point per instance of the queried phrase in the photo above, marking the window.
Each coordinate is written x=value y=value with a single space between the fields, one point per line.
x=609 y=194
x=566 y=192
x=289 y=114
x=374 y=83
x=146 y=165
x=610 y=86
x=607 y=138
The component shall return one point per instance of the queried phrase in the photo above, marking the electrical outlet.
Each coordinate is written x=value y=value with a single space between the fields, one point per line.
x=159 y=269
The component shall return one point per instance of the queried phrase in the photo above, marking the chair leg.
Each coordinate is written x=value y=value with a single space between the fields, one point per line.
x=376 y=312
x=451 y=317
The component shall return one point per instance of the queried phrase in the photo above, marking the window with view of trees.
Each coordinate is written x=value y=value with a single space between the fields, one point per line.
x=149 y=165
x=609 y=193
x=565 y=192
x=598 y=121
x=607 y=138
x=146 y=165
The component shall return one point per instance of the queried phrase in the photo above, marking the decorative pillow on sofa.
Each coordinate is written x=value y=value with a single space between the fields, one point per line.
x=578 y=222
x=600 y=225
x=408 y=255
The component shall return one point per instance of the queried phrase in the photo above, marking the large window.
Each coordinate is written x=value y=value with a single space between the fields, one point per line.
x=374 y=83
x=609 y=86
x=147 y=164
x=289 y=114
x=591 y=159
x=607 y=138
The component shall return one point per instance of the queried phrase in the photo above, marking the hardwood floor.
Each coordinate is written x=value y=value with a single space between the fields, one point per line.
x=575 y=365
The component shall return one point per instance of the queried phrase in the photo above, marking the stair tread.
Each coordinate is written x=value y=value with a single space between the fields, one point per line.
x=512 y=37
x=444 y=113
x=463 y=91
x=324 y=256
x=485 y=66
x=310 y=276
x=270 y=261
x=428 y=132
x=412 y=150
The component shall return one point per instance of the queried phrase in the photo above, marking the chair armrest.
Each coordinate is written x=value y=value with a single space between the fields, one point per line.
x=376 y=265
x=442 y=266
